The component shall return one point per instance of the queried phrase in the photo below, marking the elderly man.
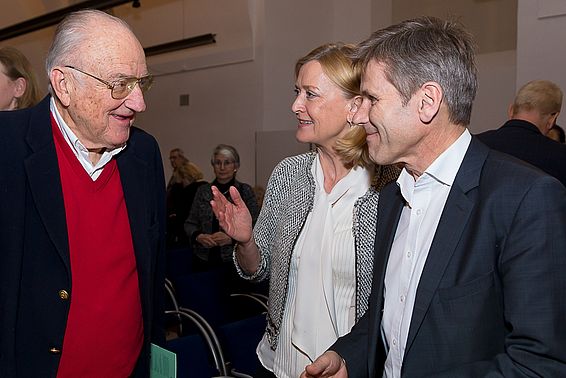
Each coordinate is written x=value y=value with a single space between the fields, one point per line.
x=532 y=115
x=470 y=249
x=82 y=215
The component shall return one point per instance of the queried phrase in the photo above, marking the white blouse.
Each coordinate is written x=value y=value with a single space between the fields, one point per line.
x=323 y=272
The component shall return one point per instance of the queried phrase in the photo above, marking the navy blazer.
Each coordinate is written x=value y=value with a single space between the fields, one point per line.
x=34 y=248
x=491 y=298
x=524 y=140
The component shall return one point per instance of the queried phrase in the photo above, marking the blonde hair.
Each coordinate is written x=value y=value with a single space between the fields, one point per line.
x=187 y=171
x=337 y=62
x=540 y=95
x=17 y=65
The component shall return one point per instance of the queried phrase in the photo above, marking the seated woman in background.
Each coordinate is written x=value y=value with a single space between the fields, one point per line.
x=18 y=88
x=185 y=181
x=211 y=246
x=315 y=234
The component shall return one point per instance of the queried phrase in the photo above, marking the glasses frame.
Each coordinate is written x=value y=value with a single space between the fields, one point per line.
x=131 y=83
x=222 y=163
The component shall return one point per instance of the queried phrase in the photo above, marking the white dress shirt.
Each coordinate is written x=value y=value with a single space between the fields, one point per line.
x=425 y=199
x=80 y=151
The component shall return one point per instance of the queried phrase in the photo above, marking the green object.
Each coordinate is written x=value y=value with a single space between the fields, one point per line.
x=163 y=363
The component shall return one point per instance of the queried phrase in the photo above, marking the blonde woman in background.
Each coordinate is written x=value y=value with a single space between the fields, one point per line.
x=18 y=87
x=185 y=181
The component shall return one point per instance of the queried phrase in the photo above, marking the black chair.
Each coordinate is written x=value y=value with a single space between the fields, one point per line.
x=198 y=355
x=239 y=341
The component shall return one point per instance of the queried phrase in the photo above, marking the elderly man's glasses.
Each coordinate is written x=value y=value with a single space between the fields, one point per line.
x=121 y=88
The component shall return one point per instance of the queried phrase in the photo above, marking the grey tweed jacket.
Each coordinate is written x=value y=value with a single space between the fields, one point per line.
x=289 y=198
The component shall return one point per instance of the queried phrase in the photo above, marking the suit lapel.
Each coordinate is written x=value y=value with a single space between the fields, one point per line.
x=390 y=206
x=453 y=222
x=42 y=169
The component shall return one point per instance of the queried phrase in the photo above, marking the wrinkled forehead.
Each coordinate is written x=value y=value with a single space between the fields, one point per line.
x=115 y=47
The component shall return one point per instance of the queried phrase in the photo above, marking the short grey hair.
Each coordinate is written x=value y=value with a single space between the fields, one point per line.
x=71 y=33
x=424 y=49
x=226 y=150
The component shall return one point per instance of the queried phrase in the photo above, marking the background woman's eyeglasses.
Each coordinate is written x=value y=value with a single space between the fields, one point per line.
x=222 y=163
x=121 y=88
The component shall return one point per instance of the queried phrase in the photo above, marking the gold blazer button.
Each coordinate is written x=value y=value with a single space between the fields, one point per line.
x=63 y=294
x=54 y=350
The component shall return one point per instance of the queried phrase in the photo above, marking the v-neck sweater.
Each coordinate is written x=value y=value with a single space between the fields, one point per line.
x=104 y=332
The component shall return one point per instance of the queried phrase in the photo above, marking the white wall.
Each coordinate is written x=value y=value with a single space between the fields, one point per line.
x=541 y=38
x=241 y=88
x=496 y=90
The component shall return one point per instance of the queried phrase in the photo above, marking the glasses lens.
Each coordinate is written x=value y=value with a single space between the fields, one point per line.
x=145 y=83
x=122 y=88
x=222 y=163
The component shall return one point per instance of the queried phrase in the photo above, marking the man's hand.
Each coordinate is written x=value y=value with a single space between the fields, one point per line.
x=328 y=365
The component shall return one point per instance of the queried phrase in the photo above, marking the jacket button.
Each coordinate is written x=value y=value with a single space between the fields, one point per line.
x=54 y=350
x=63 y=294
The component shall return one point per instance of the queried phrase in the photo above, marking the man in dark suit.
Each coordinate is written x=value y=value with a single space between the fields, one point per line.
x=470 y=248
x=82 y=213
x=531 y=117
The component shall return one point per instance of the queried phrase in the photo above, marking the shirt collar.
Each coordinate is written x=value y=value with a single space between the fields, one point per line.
x=443 y=169
x=77 y=147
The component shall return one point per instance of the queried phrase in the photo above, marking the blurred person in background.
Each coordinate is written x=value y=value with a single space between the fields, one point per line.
x=212 y=247
x=18 y=87
x=187 y=178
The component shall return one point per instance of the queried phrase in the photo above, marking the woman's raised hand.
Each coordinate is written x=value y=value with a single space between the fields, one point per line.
x=234 y=217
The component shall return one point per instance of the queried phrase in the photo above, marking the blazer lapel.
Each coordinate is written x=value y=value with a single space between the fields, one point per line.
x=453 y=222
x=42 y=169
x=133 y=175
x=390 y=205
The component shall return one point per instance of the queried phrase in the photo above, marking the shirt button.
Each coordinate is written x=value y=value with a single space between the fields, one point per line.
x=394 y=342
x=402 y=298
x=63 y=294
x=409 y=254
x=419 y=211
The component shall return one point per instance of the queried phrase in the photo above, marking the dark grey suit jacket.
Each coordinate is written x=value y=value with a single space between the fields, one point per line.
x=491 y=300
x=34 y=248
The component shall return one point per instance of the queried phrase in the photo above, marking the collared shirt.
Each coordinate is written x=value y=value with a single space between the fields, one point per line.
x=79 y=149
x=424 y=201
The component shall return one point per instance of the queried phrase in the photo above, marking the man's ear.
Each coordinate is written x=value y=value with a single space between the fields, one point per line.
x=551 y=122
x=510 y=111
x=60 y=83
x=353 y=107
x=429 y=101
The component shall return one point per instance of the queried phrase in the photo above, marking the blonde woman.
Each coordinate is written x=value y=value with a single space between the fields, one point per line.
x=314 y=237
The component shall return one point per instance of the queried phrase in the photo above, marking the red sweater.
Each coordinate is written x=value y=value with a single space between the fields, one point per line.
x=104 y=333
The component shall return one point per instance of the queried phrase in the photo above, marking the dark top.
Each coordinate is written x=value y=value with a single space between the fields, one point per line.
x=179 y=202
x=524 y=140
